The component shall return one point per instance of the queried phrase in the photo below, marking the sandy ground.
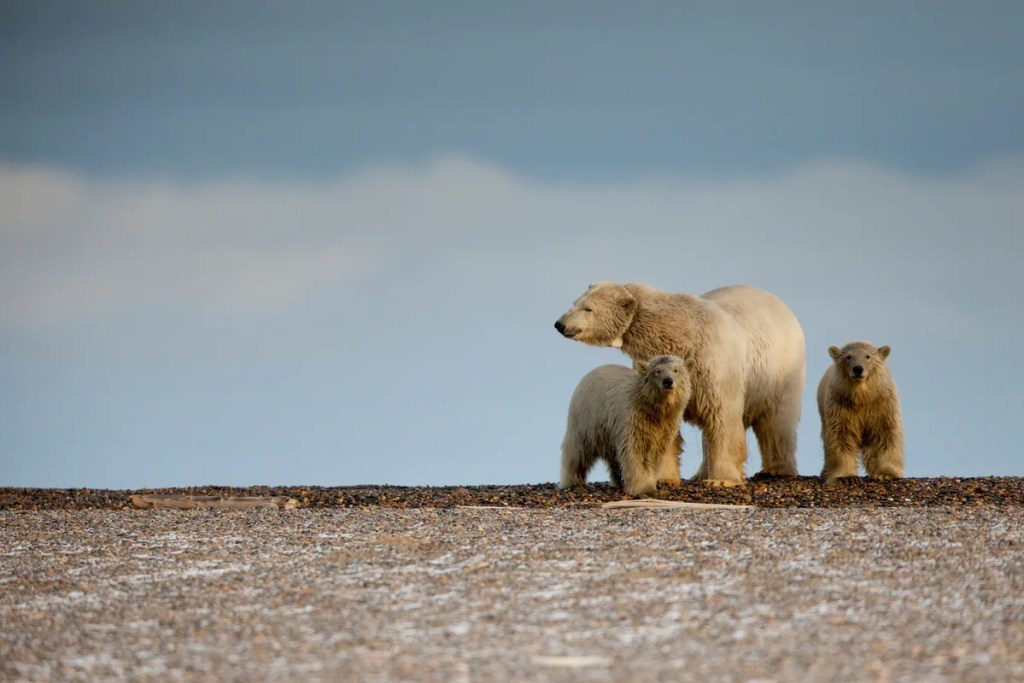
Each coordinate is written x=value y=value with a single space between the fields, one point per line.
x=383 y=594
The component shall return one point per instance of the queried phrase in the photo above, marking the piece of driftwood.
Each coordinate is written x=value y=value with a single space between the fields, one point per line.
x=571 y=662
x=184 y=502
x=490 y=507
x=657 y=503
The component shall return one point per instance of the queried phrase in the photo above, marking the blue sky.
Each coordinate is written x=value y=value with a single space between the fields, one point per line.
x=325 y=243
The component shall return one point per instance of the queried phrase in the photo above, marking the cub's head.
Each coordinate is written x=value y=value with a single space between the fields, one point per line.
x=600 y=316
x=665 y=373
x=858 y=360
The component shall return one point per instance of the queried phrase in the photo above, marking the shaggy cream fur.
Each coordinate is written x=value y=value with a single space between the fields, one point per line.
x=630 y=419
x=860 y=413
x=744 y=348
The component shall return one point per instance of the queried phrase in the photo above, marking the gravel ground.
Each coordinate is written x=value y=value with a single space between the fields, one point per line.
x=376 y=593
x=775 y=493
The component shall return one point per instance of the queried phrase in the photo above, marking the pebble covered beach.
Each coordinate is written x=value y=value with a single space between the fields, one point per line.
x=911 y=580
x=797 y=492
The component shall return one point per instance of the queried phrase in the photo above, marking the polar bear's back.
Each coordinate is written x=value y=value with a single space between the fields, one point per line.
x=601 y=399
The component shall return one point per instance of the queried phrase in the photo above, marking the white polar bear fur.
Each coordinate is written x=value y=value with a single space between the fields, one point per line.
x=631 y=421
x=860 y=414
x=746 y=353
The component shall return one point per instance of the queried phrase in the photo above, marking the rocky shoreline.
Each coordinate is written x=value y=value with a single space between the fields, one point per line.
x=799 y=492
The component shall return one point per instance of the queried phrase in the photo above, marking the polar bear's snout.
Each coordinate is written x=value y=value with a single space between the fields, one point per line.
x=857 y=371
x=565 y=331
x=667 y=382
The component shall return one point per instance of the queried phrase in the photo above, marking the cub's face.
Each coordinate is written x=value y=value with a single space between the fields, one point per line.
x=668 y=373
x=600 y=316
x=858 y=360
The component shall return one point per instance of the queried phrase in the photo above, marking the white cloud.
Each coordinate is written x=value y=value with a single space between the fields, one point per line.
x=71 y=247
x=847 y=233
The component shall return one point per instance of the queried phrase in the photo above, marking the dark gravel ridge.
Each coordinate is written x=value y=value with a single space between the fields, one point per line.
x=799 y=492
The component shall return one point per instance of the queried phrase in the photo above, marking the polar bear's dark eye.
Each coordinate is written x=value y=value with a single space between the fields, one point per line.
x=588 y=310
x=849 y=357
x=867 y=357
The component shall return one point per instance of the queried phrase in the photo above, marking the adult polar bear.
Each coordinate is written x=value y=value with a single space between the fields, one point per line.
x=745 y=349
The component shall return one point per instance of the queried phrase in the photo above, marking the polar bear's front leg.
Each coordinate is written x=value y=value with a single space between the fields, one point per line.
x=725 y=454
x=841 y=446
x=637 y=479
x=637 y=469
x=884 y=460
x=668 y=465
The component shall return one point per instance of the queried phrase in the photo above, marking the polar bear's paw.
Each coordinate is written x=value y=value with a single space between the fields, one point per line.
x=722 y=483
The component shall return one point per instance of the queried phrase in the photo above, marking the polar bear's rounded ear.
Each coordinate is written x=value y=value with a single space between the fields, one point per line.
x=883 y=351
x=627 y=301
x=835 y=352
x=641 y=366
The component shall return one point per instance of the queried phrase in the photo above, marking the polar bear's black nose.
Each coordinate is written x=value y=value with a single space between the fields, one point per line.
x=858 y=370
x=667 y=382
x=560 y=326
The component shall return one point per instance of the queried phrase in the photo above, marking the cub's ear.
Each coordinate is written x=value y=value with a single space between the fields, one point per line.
x=627 y=302
x=835 y=352
x=641 y=366
x=883 y=351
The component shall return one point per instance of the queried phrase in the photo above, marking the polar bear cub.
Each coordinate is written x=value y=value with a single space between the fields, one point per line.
x=630 y=419
x=860 y=413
